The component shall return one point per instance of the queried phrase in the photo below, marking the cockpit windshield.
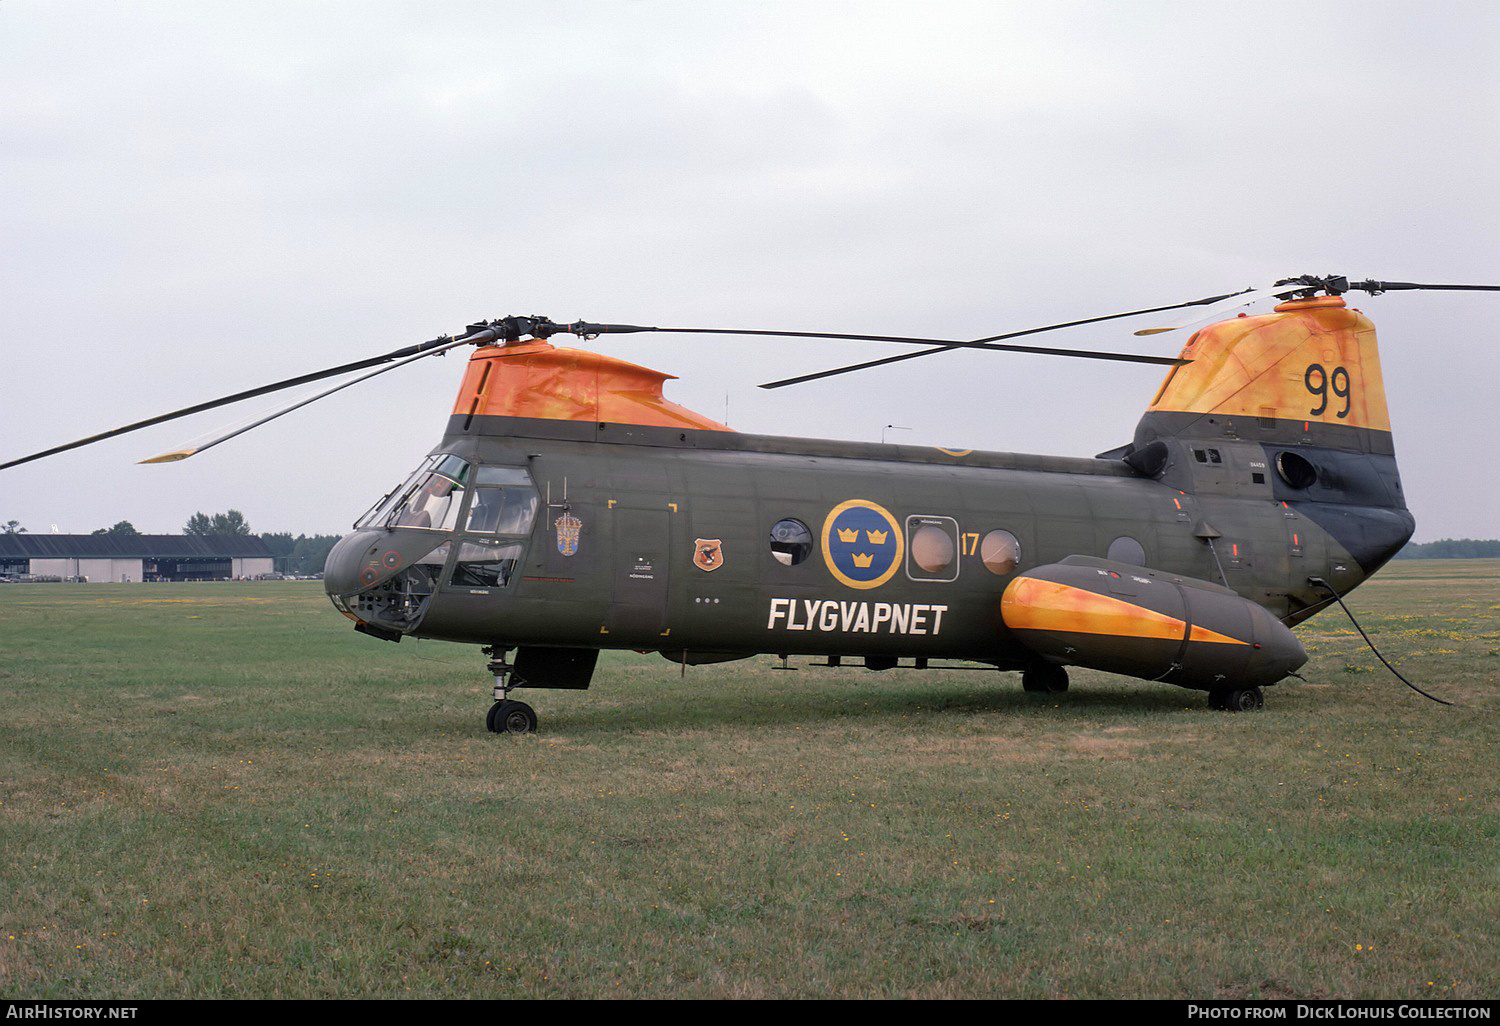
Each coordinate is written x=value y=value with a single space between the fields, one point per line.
x=430 y=498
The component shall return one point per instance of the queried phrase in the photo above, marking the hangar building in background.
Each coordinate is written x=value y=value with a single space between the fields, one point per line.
x=133 y=557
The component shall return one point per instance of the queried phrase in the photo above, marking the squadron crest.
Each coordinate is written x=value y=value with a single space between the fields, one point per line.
x=708 y=553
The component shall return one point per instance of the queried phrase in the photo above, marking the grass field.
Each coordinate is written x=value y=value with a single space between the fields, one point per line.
x=221 y=790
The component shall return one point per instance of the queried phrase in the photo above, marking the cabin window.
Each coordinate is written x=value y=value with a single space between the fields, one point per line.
x=1000 y=551
x=485 y=564
x=791 y=542
x=932 y=548
x=1126 y=549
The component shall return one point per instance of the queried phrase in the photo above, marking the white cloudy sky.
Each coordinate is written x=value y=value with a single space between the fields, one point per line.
x=198 y=197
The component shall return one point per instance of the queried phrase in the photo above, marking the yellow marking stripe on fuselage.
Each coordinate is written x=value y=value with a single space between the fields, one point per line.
x=1030 y=604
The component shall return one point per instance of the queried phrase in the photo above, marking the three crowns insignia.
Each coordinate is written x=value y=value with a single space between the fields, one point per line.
x=862 y=560
x=863 y=544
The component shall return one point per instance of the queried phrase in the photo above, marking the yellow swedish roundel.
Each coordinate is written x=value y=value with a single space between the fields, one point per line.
x=862 y=544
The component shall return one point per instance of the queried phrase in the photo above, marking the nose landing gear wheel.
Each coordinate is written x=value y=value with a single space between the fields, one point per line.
x=510 y=717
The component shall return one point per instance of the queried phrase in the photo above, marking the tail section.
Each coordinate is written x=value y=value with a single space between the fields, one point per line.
x=1309 y=373
x=1289 y=406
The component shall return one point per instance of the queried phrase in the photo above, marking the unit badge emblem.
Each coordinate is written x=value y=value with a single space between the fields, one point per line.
x=568 y=528
x=708 y=553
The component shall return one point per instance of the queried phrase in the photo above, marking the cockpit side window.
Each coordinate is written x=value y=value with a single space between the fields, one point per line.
x=484 y=514
x=502 y=510
x=505 y=501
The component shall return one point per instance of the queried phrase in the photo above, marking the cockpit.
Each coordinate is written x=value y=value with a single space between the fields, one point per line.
x=432 y=498
x=452 y=525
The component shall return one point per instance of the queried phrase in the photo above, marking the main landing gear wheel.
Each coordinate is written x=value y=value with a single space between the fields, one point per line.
x=509 y=717
x=1237 y=699
x=1045 y=679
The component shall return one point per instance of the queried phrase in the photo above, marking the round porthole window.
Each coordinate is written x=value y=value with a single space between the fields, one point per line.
x=791 y=542
x=1001 y=552
x=1295 y=470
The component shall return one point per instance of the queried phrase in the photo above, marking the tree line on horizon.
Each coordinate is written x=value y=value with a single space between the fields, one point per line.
x=1452 y=548
x=300 y=555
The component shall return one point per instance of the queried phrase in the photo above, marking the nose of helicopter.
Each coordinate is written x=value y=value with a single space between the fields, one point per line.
x=372 y=577
x=341 y=571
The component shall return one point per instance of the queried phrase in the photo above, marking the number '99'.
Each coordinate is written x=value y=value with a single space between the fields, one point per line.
x=1319 y=382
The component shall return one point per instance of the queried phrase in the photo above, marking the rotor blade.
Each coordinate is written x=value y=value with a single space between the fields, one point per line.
x=939 y=342
x=938 y=345
x=1241 y=299
x=942 y=345
x=1376 y=287
x=1085 y=354
x=174 y=455
x=421 y=348
x=1332 y=285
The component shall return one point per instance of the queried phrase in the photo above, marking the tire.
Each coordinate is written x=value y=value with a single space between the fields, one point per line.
x=1045 y=679
x=1244 y=700
x=511 y=718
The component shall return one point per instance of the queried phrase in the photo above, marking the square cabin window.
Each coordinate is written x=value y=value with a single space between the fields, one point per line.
x=931 y=548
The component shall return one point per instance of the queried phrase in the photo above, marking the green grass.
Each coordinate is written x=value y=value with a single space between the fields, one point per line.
x=223 y=791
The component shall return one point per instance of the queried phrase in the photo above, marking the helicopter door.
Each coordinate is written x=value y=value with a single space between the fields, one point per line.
x=641 y=551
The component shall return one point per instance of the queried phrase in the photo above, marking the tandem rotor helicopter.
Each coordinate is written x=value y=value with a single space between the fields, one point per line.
x=570 y=507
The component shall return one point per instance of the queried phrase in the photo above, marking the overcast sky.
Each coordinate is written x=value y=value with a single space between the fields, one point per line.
x=199 y=197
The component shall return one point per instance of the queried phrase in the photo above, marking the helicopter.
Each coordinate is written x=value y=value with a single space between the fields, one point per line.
x=570 y=507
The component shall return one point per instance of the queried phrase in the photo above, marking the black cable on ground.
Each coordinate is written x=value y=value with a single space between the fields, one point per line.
x=1340 y=599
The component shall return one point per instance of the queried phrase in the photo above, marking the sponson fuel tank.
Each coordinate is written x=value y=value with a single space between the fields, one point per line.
x=1149 y=624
